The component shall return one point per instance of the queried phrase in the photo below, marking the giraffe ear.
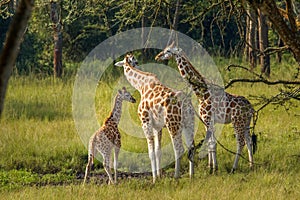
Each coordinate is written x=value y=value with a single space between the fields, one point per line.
x=120 y=63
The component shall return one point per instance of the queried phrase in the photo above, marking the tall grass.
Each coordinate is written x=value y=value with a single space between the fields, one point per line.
x=39 y=146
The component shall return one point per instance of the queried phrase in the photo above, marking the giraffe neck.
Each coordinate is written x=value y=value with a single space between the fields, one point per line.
x=138 y=79
x=192 y=76
x=116 y=112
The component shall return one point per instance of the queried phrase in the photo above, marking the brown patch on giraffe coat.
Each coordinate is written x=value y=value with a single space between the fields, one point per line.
x=151 y=95
x=183 y=72
x=208 y=107
x=167 y=102
x=151 y=104
x=147 y=105
x=232 y=104
x=175 y=110
x=206 y=95
x=228 y=110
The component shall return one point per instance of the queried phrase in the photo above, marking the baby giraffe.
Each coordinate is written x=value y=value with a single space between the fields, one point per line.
x=108 y=137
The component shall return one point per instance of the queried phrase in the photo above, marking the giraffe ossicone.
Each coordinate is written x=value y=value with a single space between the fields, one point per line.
x=108 y=138
x=161 y=106
x=215 y=106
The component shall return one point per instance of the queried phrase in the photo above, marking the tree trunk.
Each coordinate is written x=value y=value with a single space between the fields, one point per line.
x=144 y=53
x=288 y=36
x=279 y=53
x=247 y=37
x=57 y=26
x=175 y=22
x=263 y=44
x=12 y=44
x=252 y=39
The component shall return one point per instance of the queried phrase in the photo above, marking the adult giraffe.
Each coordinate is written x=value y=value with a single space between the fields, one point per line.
x=160 y=107
x=215 y=106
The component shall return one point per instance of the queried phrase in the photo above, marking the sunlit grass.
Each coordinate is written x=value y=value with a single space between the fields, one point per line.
x=40 y=147
x=239 y=186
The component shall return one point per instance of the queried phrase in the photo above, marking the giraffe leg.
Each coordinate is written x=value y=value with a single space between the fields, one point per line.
x=249 y=143
x=88 y=167
x=250 y=152
x=189 y=138
x=106 y=165
x=188 y=132
x=212 y=148
x=157 y=143
x=178 y=150
x=148 y=131
x=116 y=155
x=150 y=141
x=239 y=131
x=90 y=159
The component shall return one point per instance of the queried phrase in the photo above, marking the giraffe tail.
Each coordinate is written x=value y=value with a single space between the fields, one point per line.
x=254 y=143
x=254 y=136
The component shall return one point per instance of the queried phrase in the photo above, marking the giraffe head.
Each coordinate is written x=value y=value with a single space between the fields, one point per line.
x=129 y=60
x=125 y=95
x=168 y=52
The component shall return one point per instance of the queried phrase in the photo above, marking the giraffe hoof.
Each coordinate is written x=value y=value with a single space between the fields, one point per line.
x=111 y=183
x=176 y=176
x=232 y=171
x=215 y=171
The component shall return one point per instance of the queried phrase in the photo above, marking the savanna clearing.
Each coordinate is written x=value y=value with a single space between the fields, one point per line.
x=42 y=156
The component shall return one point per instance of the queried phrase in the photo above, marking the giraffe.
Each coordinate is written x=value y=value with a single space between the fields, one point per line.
x=215 y=106
x=160 y=107
x=108 y=137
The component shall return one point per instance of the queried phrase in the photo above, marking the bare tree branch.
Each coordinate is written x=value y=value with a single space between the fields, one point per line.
x=244 y=80
x=202 y=14
x=259 y=78
x=272 y=50
x=279 y=99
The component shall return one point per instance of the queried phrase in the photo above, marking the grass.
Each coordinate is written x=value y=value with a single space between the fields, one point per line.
x=42 y=156
x=239 y=186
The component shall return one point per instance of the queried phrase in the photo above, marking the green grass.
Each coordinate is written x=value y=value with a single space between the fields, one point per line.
x=41 y=154
x=240 y=186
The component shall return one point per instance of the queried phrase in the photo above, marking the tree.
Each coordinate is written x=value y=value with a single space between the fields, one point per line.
x=55 y=16
x=252 y=37
x=287 y=27
x=12 y=43
x=263 y=44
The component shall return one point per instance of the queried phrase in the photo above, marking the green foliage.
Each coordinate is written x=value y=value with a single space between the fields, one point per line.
x=88 y=23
